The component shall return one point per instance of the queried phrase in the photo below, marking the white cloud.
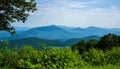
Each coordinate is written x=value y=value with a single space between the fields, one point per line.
x=93 y=17
x=76 y=13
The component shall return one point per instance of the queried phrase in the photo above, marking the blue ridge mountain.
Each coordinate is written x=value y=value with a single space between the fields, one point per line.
x=59 y=32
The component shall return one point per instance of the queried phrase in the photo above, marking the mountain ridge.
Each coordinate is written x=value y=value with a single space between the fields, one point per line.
x=36 y=42
x=61 y=32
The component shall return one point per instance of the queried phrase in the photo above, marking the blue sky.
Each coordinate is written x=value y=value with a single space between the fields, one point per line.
x=78 y=13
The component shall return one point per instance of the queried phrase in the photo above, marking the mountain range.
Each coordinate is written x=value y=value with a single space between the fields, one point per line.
x=58 y=32
x=54 y=35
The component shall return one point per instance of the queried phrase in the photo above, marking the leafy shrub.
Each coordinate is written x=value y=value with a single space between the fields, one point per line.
x=113 y=56
x=94 y=57
x=61 y=58
x=30 y=58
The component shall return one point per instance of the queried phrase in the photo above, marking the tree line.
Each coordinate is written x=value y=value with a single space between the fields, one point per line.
x=106 y=42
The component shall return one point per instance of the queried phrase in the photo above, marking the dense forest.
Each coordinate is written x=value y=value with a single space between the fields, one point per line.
x=106 y=42
x=91 y=54
x=36 y=42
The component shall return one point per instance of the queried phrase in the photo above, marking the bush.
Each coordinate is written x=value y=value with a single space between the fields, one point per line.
x=30 y=58
x=94 y=57
x=113 y=56
x=60 y=58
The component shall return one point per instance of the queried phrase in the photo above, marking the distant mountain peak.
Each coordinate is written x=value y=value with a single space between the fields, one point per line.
x=92 y=27
x=53 y=25
x=47 y=27
x=78 y=28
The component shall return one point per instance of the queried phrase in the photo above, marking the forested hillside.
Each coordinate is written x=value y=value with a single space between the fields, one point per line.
x=36 y=42
x=106 y=42
x=91 y=54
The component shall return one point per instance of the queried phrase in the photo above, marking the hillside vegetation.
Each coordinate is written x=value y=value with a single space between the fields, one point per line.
x=107 y=42
x=92 y=54
x=36 y=42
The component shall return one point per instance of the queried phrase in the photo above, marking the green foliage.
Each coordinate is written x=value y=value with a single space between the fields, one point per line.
x=43 y=46
x=108 y=66
x=5 y=43
x=94 y=57
x=106 y=42
x=31 y=58
x=61 y=58
x=104 y=52
x=28 y=57
x=100 y=58
x=83 y=45
x=92 y=43
x=113 y=56
x=14 y=10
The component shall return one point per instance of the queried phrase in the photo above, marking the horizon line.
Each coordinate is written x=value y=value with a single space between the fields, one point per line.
x=64 y=26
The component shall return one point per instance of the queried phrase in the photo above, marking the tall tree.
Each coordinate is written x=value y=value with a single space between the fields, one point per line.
x=14 y=10
x=80 y=46
x=91 y=43
x=108 y=41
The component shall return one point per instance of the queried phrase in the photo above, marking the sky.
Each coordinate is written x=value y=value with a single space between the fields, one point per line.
x=77 y=13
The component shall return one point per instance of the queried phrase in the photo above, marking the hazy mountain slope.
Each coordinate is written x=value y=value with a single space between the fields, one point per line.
x=95 y=31
x=91 y=30
x=49 y=32
x=59 y=32
x=7 y=35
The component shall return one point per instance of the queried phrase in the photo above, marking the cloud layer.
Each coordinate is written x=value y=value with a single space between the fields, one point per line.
x=81 y=13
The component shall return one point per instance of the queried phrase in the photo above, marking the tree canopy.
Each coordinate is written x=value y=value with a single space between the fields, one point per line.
x=14 y=10
x=107 y=42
